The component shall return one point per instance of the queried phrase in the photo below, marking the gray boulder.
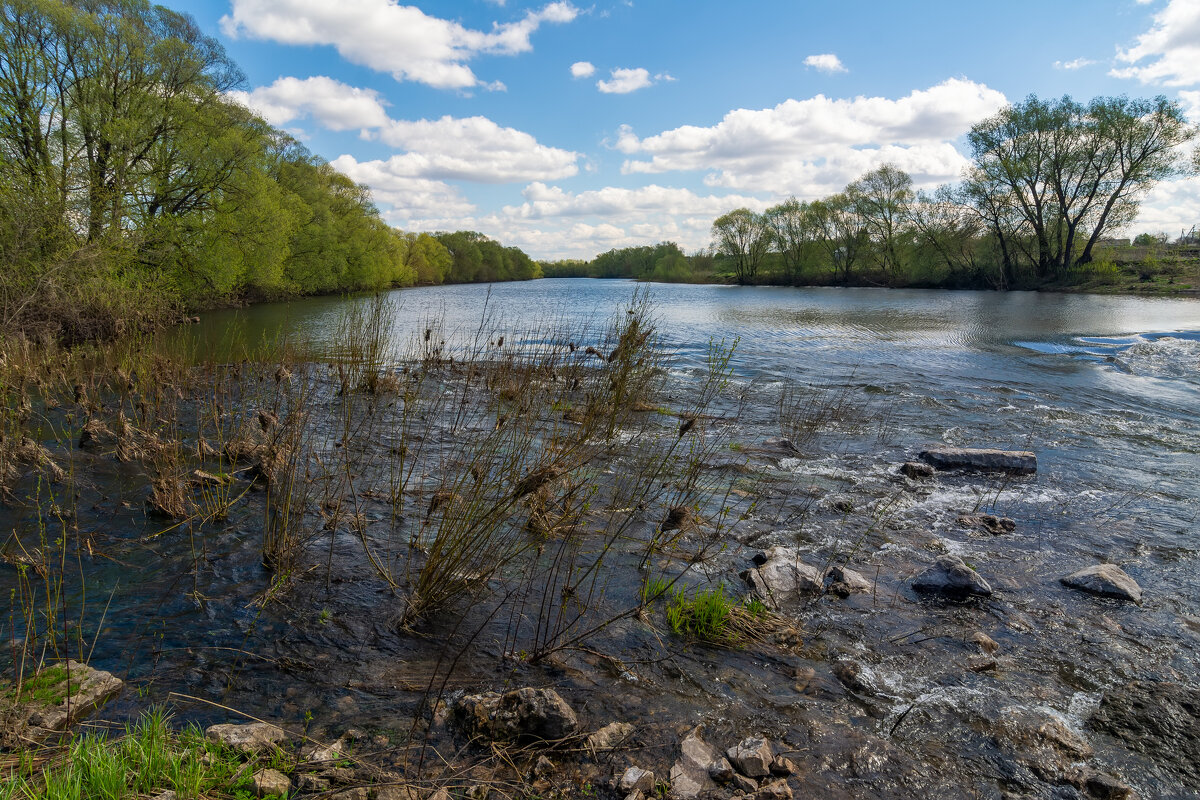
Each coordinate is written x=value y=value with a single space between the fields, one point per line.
x=782 y=577
x=1108 y=580
x=252 y=738
x=951 y=577
x=525 y=713
x=844 y=582
x=1020 y=462
x=689 y=775
x=752 y=757
x=636 y=779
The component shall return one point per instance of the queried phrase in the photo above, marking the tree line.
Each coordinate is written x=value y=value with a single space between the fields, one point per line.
x=132 y=187
x=1048 y=181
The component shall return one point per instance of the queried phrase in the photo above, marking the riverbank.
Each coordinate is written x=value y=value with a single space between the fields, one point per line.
x=359 y=531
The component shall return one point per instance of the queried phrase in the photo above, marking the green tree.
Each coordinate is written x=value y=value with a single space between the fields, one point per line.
x=882 y=198
x=743 y=237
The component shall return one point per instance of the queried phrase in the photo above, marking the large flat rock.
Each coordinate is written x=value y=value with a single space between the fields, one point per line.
x=1019 y=462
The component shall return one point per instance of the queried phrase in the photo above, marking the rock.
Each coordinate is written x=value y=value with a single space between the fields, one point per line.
x=916 y=470
x=741 y=783
x=981 y=663
x=252 y=738
x=1107 y=580
x=1107 y=787
x=988 y=522
x=986 y=643
x=357 y=793
x=689 y=775
x=844 y=582
x=1043 y=743
x=1020 y=462
x=405 y=792
x=166 y=795
x=782 y=767
x=782 y=577
x=543 y=767
x=721 y=770
x=525 y=713
x=342 y=775
x=776 y=790
x=851 y=674
x=636 y=779
x=309 y=782
x=82 y=690
x=610 y=736
x=1158 y=718
x=268 y=782
x=752 y=757
x=321 y=754
x=951 y=577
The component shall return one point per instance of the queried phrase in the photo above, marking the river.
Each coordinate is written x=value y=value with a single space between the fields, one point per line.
x=1105 y=389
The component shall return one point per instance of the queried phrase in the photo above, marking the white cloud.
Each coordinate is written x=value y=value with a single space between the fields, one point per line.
x=1171 y=206
x=583 y=69
x=474 y=149
x=471 y=148
x=816 y=146
x=1075 y=63
x=385 y=36
x=1191 y=104
x=825 y=62
x=1168 y=53
x=617 y=203
x=408 y=196
x=334 y=104
x=624 y=81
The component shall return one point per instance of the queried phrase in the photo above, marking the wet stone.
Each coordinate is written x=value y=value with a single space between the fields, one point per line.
x=1158 y=718
x=1107 y=580
x=844 y=582
x=636 y=779
x=853 y=676
x=989 y=523
x=721 y=770
x=916 y=470
x=1020 y=462
x=1107 y=787
x=689 y=775
x=610 y=736
x=525 y=713
x=951 y=577
x=782 y=577
x=743 y=783
x=776 y=790
x=752 y=757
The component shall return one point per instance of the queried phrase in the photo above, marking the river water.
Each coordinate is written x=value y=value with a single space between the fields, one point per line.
x=1104 y=389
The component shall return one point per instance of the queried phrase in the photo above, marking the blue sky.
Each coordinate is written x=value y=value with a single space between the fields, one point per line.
x=569 y=128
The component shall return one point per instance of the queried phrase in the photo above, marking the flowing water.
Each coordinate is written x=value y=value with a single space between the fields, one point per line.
x=1105 y=390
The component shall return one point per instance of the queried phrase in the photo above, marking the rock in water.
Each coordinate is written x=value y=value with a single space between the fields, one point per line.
x=636 y=779
x=81 y=690
x=1020 y=462
x=689 y=776
x=525 y=713
x=782 y=577
x=1158 y=718
x=1108 y=580
x=752 y=757
x=951 y=577
x=916 y=470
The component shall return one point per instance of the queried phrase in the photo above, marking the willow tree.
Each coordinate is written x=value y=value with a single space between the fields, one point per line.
x=882 y=198
x=1072 y=171
x=743 y=237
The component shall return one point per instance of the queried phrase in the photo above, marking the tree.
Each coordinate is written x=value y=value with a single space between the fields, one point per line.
x=841 y=233
x=1072 y=171
x=793 y=230
x=744 y=237
x=882 y=198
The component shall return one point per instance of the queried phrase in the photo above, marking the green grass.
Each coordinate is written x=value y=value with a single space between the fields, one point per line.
x=46 y=688
x=654 y=588
x=147 y=759
x=706 y=616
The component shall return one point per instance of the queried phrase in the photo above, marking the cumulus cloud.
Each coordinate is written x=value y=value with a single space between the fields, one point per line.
x=385 y=36
x=1075 y=63
x=1168 y=53
x=624 y=81
x=583 y=69
x=1171 y=206
x=813 y=147
x=617 y=203
x=825 y=62
x=332 y=103
x=408 y=196
x=472 y=148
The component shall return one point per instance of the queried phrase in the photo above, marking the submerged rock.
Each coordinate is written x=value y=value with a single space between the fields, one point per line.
x=1020 y=462
x=844 y=582
x=782 y=577
x=989 y=522
x=1108 y=580
x=916 y=470
x=951 y=577
x=1158 y=718
x=525 y=713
